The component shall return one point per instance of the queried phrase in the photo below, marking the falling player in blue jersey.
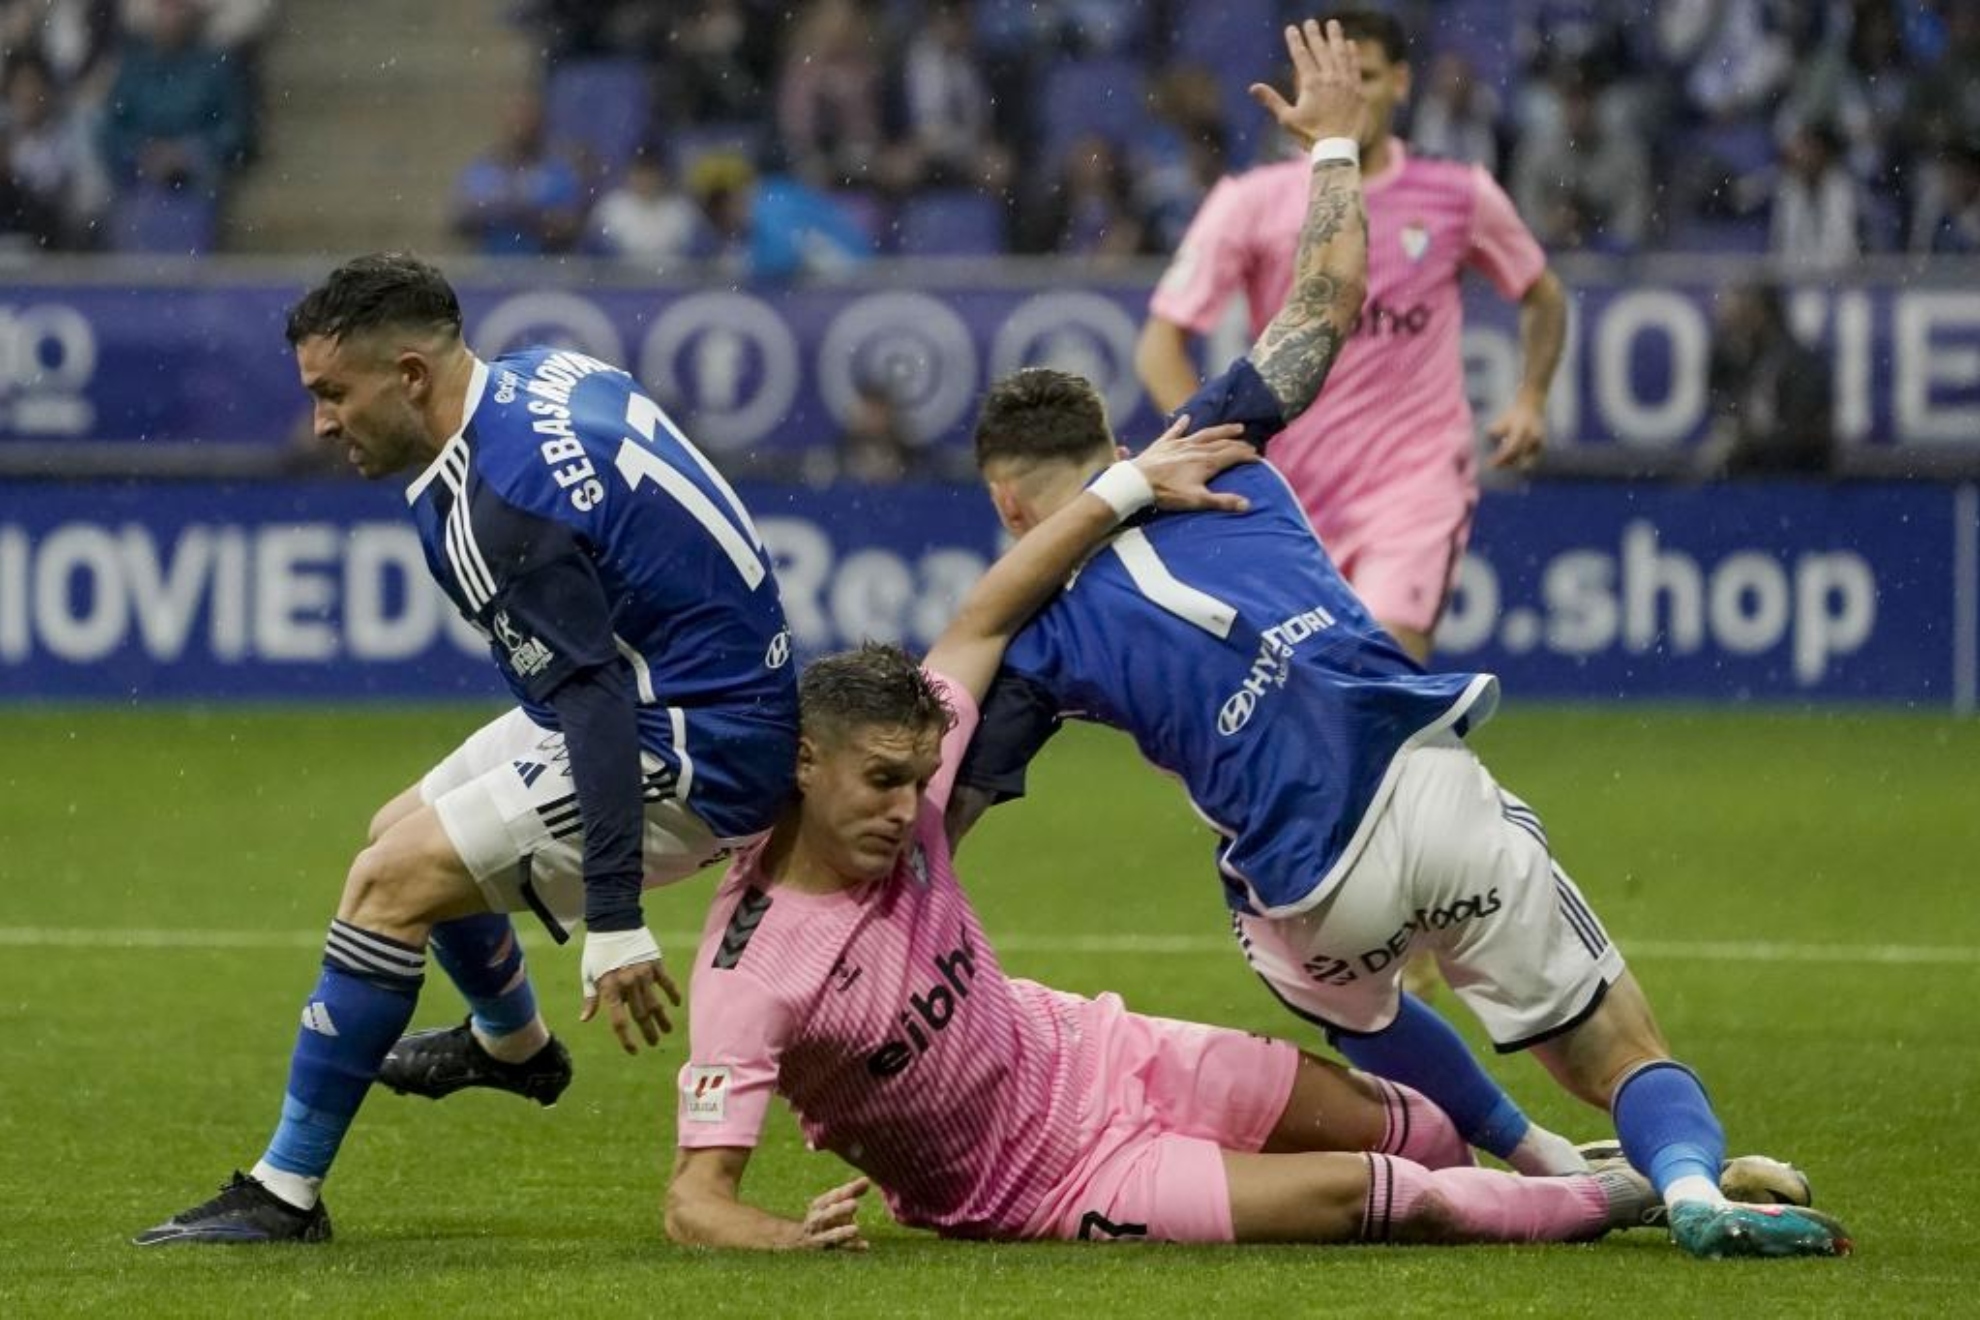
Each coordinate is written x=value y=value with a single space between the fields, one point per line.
x=629 y=604
x=1355 y=824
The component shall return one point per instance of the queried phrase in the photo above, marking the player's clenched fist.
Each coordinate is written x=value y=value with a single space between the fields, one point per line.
x=1327 y=100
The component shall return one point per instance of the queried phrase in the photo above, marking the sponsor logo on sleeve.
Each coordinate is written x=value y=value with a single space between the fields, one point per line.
x=528 y=656
x=705 y=1093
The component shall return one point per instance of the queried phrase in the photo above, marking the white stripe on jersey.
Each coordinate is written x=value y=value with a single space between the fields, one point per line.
x=678 y=718
x=1159 y=585
x=642 y=672
x=635 y=461
x=708 y=470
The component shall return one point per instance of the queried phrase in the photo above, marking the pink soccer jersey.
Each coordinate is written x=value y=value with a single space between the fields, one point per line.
x=1391 y=434
x=874 y=1011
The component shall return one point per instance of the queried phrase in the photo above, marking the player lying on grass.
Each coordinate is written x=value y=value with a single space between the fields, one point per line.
x=843 y=968
x=1355 y=824
x=630 y=606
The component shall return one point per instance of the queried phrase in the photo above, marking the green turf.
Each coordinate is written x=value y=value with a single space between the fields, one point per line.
x=132 y=1079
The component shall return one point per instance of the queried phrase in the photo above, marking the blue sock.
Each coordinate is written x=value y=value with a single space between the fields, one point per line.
x=360 y=1006
x=483 y=958
x=1667 y=1126
x=1422 y=1051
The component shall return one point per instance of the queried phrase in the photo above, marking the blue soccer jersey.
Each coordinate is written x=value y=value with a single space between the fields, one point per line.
x=1235 y=654
x=577 y=528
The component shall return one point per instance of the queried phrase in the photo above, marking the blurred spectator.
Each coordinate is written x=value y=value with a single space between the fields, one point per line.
x=49 y=194
x=874 y=449
x=519 y=198
x=1184 y=153
x=646 y=218
x=775 y=228
x=74 y=41
x=235 y=28
x=1735 y=51
x=717 y=62
x=1089 y=210
x=1816 y=211
x=828 y=95
x=1457 y=117
x=948 y=107
x=1588 y=186
x=1949 y=208
x=1771 y=394
x=1857 y=81
x=178 y=110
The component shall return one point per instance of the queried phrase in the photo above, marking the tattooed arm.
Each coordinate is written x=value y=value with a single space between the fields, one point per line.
x=1330 y=273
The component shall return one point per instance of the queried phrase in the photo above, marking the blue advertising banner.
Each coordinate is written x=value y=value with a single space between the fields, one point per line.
x=769 y=374
x=318 y=590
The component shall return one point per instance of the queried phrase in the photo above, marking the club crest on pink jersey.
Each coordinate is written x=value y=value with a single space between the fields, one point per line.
x=1415 y=240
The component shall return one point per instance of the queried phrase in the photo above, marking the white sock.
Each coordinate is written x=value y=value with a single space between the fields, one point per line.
x=294 y=1188
x=1693 y=1187
x=1544 y=1154
x=517 y=1046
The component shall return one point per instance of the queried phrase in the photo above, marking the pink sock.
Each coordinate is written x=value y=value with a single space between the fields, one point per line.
x=1409 y=1203
x=1419 y=1131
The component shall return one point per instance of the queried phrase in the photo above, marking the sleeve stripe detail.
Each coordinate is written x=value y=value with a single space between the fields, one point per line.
x=682 y=785
x=642 y=672
x=1153 y=579
x=470 y=569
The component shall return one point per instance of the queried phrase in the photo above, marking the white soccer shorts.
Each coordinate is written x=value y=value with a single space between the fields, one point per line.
x=506 y=800
x=1457 y=865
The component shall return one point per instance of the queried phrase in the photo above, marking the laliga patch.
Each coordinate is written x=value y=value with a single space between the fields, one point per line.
x=705 y=1093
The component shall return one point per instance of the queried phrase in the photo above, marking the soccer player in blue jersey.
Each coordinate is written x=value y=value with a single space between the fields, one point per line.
x=1355 y=824
x=629 y=604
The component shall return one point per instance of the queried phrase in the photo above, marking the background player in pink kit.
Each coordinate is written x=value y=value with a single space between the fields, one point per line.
x=1383 y=463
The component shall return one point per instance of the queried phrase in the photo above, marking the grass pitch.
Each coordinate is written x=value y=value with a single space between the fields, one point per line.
x=1795 y=891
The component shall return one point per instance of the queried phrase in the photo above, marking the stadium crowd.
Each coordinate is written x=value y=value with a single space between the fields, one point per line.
x=1817 y=131
x=123 y=121
x=803 y=139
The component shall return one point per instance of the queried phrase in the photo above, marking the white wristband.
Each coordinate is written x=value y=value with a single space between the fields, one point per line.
x=1336 y=148
x=609 y=950
x=1125 y=489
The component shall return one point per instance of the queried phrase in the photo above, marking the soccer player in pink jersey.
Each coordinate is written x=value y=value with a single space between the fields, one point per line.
x=1383 y=463
x=843 y=968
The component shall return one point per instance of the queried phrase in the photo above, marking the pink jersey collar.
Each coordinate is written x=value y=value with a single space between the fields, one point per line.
x=1398 y=157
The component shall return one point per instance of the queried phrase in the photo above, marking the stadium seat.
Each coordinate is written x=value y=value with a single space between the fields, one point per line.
x=870 y=213
x=951 y=222
x=1107 y=97
x=601 y=106
x=152 y=219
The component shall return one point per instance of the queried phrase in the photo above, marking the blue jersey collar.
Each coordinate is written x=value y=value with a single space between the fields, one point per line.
x=477 y=386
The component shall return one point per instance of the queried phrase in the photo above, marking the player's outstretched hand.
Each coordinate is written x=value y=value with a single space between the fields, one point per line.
x=1179 y=465
x=623 y=972
x=832 y=1222
x=1519 y=434
x=1326 y=86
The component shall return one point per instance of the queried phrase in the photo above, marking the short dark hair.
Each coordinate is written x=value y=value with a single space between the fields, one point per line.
x=877 y=685
x=375 y=290
x=1040 y=414
x=1374 y=25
